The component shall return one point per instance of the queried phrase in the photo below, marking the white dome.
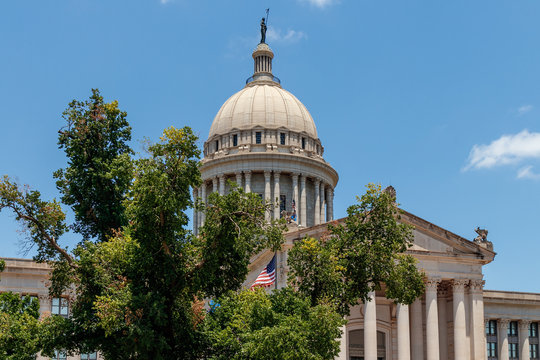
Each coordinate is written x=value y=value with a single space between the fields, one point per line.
x=266 y=106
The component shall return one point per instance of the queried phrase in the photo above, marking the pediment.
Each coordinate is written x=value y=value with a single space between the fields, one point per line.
x=430 y=239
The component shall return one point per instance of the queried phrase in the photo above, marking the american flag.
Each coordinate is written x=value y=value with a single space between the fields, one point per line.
x=268 y=276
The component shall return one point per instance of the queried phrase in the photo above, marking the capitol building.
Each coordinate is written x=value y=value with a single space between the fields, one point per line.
x=264 y=139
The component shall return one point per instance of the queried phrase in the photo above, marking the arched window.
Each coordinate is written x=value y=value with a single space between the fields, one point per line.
x=356 y=345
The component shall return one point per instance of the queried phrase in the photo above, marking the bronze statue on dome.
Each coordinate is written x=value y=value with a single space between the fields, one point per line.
x=263 y=31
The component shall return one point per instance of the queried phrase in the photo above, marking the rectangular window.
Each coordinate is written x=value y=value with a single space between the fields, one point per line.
x=513 y=351
x=90 y=356
x=492 y=349
x=235 y=140
x=303 y=143
x=533 y=351
x=533 y=330
x=282 y=204
x=59 y=355
x=282 y=138
x=60 y=307
x=258 y=137
x=217 y=145
x=491 y=327
x=513 y=328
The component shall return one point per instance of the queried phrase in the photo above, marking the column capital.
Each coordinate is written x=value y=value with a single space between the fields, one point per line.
x=458 y=285
x=317 y=181
x=295 y=175
x=247 y=174
x=432 y=283
x=237 y=173
x=267 y=173
x=221 y=176
x=276 y=175
x=442 y=290
x=302 y=178
x=503 y=324
x=476 y=285
x=524 y=325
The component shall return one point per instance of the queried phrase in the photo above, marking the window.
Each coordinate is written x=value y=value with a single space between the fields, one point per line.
x=513 y=328
x=282 y=203
x=492 y=349
x=491 y=327
x=60 y=306
x=235 y=140
x=258 y=137
x=533 y=330
x=533 y=351
x=89 y=356
x=303 y=143
x=513 y=350
x=282 y=138
x=217 y=145
x=59 y=355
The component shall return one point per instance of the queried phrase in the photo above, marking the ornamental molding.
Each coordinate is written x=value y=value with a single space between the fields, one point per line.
x=503 y=323
x=458 y=285
x=432 y=283
x=477 y=285
x=524 y=325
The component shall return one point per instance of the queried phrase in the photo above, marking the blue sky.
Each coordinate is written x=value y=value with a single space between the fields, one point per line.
x=439 y=99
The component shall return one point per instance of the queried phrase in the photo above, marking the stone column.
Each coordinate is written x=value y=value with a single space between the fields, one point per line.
x=295 y=194
x=247 y=174
x=330 y=204
x=323 y=203
x=303 y=202
x=203 y=196
x=443 y=322
x=222 y=185
x=370 y=328
x=195 y=212
x=502 y=342
x=417 y=332
x=524 y=340
x=44 y=305
x=432 y=320
x=277 y=211
x=460 y=326
x=317 y=212
x=267 y=195
x=403 y=338
x=478 y=335
x=214 y=184
x=342 y=344
x=238 y=178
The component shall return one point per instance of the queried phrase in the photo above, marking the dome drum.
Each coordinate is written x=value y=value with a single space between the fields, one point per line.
x=259 y=139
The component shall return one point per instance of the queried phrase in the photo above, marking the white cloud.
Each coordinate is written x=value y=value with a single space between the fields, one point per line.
x=508 y=149
x=320 y=3
x=524 y=109
x=527 y=173
x=290 y=36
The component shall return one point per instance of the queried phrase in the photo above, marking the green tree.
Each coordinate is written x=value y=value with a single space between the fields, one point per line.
x=19 y=327
x=97 y=179
x=364 y=253
x=282 y=325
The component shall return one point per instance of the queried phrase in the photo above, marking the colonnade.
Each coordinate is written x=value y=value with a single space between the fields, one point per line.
x=503 y=339
x=410 y=320
x=323 y=209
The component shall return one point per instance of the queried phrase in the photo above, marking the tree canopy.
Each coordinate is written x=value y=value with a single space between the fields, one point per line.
x=139 y=278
